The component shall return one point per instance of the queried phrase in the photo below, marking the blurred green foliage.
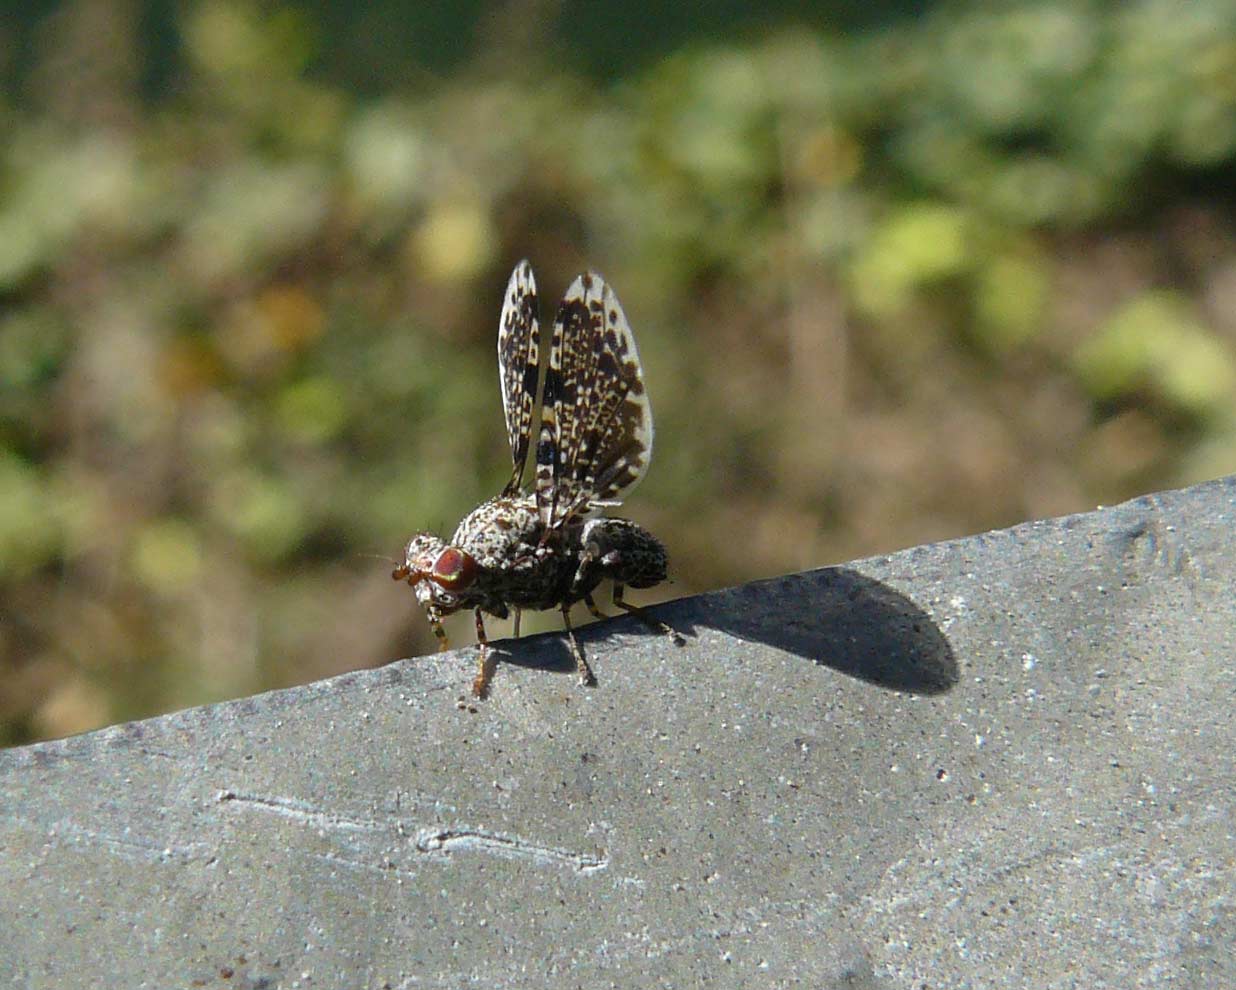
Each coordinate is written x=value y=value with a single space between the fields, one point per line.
x=890 y=286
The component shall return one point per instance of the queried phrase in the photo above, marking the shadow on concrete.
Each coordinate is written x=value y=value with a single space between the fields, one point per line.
x=834 y=617
x=841 y=619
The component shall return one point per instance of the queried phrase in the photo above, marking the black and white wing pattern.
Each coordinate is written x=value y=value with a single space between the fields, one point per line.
x=519 y=360
x=596 y=421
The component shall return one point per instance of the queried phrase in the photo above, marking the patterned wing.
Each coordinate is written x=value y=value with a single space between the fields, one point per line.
x=519 y=358
x=596 y=421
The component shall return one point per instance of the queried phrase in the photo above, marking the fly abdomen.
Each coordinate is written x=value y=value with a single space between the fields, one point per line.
x=624 y=552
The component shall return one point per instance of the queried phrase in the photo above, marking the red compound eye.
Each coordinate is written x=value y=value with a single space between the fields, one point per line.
x=454 y=569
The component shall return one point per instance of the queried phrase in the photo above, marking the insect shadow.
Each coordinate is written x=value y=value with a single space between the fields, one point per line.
x=838 y=618
x=834 y=617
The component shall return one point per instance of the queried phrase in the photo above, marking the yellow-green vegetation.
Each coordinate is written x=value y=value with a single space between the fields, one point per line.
x=890 y=285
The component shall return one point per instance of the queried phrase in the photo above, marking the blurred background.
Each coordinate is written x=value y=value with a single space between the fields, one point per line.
x=896 y=276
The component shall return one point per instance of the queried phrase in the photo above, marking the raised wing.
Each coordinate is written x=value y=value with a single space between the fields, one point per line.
x=519 y=359
x=596 y=421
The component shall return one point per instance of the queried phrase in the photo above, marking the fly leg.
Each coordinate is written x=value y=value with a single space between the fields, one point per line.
x=586 y=677
x=645 y=618
x=587 y=558
x=488 y=662
x=440 y=633
x=518 y=612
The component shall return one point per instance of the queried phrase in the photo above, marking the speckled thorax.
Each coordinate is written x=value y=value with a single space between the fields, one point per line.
x=504 y=536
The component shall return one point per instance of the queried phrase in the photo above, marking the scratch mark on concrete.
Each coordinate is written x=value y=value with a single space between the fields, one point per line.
x=361 y=836
x=305 y=813
x=126 y=845
x=447 y=841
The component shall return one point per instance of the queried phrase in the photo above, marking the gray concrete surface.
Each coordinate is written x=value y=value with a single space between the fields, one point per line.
x=1003 y=761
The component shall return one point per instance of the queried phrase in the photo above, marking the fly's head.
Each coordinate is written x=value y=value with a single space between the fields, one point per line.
x=441 y=575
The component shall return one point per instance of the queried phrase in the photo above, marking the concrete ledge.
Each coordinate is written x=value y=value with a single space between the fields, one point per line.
x=1000 y=761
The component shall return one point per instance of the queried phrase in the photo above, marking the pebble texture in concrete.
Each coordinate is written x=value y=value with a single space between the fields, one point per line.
x=1004 y=761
